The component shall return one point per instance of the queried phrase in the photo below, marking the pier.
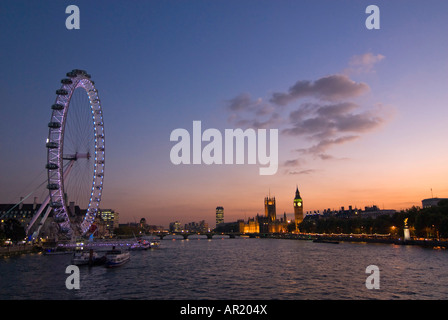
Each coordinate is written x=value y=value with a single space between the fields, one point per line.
x=17 y=249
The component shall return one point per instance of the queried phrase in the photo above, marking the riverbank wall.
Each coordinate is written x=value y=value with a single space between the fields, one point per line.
x=347 y=238
x=17 y=250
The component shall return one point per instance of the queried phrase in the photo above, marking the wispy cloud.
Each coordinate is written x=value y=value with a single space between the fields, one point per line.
x=323 y=121
x=246 y=112
x=332 y=88
x=324 y=145
x=363 y=63
x=293 y=163
x=320 y=111
x=328 y=125
x=307 y=171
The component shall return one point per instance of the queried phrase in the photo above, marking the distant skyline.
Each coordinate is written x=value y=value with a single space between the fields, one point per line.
x=361 y=114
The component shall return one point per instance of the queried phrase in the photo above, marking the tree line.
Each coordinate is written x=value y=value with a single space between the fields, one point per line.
x=429 y=222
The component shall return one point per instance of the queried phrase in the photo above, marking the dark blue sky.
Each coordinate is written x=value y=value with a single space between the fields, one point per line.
x=159 y=65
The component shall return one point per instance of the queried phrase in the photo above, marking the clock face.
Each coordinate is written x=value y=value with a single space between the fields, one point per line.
x=299 y=204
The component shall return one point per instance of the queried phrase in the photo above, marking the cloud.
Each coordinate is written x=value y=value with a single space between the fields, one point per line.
x=331 y=88
x=240 y=102
x=307 y=171
x=321 y=112
x=324 y=145
x=332 y=124
x=324 y=156
x=249 y=113
x=292 y=163
x=245 y=103
x=363 y=63
x=326 y=121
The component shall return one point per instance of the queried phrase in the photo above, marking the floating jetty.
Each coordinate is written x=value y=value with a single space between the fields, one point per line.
x=17 y=249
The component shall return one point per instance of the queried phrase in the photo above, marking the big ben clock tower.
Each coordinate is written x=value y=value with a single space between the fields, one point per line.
x=298 y=209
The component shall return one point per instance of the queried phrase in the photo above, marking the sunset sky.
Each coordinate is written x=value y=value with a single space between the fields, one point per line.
x=361 y=114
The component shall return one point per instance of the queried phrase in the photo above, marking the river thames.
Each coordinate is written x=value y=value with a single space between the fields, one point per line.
x=237 y=269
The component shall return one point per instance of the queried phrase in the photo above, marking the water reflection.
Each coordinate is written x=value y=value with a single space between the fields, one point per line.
x=201 y=268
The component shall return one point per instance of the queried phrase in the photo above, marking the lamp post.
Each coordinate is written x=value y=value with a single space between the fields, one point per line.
x=407 y=235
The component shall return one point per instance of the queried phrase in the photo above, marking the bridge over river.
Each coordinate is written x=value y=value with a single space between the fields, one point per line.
x=208 y=235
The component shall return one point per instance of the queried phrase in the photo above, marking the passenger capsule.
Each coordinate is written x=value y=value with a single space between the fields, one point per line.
x=52 y=145
x=54 y=125
x=53 y=186
x=62 y=92
x=57 y=106
x=55 y=204
x=52 y=166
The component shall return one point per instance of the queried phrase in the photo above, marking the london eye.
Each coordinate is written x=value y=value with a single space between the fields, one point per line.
x=75 y=154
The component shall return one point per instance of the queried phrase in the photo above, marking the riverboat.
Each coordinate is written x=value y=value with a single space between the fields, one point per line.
x=116 y=258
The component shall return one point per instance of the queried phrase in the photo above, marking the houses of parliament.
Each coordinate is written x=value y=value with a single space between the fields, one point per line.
x=269 y=222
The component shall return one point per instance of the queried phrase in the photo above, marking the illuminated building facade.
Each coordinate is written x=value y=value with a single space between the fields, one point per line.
x=269 y=209
x=22 y=212
x=219 y=215
x=110 y=218
x=298 y=209
x=252 y=226
x=175 y=227
x=267 y=223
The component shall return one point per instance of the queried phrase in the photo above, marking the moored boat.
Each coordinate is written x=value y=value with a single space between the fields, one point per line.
x=116 y=258
x=154 y=244
x=91 y=258
x=140 y=245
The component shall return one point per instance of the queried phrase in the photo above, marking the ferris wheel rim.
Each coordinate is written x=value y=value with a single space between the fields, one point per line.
x=55 y=151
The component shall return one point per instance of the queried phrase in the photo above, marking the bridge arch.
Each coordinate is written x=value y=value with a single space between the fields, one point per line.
x=195 y=235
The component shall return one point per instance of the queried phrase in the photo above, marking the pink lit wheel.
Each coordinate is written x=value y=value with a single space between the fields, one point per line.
x=75 y=154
